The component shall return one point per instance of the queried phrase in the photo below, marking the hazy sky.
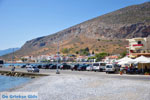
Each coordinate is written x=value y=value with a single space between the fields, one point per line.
x=23 y=20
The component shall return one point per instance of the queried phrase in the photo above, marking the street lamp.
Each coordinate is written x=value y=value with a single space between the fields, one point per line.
x=57 y=71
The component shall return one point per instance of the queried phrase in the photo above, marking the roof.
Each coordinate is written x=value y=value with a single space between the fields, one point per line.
x=112 y=57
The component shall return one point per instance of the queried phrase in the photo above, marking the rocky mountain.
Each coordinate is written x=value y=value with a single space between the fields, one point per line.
x=106 y=33
x=7 y=51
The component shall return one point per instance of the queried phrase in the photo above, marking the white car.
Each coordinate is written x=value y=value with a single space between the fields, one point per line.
x=110 y=68
x=99 y=66
x=89 y=68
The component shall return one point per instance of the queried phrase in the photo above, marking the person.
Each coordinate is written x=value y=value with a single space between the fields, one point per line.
x=146 y=70
x=126 y=67
x=13 y=68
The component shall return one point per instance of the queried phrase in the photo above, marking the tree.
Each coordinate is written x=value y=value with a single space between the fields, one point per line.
x=45 y=60
x=65 y=50
x=100 y=56
x=77 y=52
x=92 y=58
x=24 y=59
x=86 y=49
x=93 y=53
x=123 y=54
x=84 y=52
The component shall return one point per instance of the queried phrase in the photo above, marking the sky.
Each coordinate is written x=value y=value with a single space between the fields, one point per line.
x=23 y=20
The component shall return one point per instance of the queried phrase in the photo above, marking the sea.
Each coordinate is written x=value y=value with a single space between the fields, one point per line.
x=8 y=82
x=17 y=64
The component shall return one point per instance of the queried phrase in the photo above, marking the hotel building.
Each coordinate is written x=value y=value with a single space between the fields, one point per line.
x=139 y=46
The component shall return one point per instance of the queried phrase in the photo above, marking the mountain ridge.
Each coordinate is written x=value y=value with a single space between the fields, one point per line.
x=106 y=33
x=7 y=51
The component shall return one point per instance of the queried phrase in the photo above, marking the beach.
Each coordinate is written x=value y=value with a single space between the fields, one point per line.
x=88 y=86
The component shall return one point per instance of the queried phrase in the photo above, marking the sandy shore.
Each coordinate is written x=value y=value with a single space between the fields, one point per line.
x=86 y=87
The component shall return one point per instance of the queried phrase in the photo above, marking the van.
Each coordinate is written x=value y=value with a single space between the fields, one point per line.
x=111 y=68
x=1 y=63
x=99 y=66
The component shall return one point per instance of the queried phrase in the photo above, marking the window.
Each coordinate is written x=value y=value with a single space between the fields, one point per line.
x=109 y=66
x=1 y=62
x=139 y=42
x=96 y=64
x=103 y=64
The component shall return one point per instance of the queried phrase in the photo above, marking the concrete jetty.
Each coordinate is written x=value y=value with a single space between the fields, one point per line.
x=21 y=74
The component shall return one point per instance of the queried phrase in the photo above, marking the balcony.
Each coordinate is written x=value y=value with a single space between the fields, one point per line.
x=127 y=46
x=137 y=45
x=139 y=54
x=137 y=39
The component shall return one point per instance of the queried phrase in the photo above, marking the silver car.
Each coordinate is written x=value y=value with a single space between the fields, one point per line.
x=33 y=69
x=89 y=68
x=99 y=66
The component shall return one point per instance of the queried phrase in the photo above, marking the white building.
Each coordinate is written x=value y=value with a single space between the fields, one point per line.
x=138 y=46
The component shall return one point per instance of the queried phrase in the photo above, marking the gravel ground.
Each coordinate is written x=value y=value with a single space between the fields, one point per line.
x=86 y=87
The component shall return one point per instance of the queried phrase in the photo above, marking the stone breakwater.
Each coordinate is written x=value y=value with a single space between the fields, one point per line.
x=21 y=74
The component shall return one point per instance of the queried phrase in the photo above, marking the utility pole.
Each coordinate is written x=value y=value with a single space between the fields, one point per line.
x=13 y=67
x=57 y=71
x=13 y=57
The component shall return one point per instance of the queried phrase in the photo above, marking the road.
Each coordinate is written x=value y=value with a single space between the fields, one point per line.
x=87 y=73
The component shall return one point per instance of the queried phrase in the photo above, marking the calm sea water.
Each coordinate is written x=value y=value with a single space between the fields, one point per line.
x=17 y=64
x=8 y=82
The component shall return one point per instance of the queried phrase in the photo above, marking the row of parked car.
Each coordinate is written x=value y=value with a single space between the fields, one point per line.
x=98 y=66
x=36 y=67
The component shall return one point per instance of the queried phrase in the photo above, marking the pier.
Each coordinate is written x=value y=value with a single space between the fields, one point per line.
x=21 y=73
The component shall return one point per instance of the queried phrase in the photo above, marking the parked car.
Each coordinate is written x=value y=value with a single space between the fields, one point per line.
x=23 y=66
x=28 y=65
x=89 y=68
x=46 y=66
x=111 y=68
x=33 y=69
x=1 y=63
x=65 y=66
x=53 y=66
x=82 y=67
x=99 y=66
x=39 y=66
x=74 y=67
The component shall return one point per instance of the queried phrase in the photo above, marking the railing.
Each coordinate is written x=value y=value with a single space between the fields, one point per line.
x=137 y=44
